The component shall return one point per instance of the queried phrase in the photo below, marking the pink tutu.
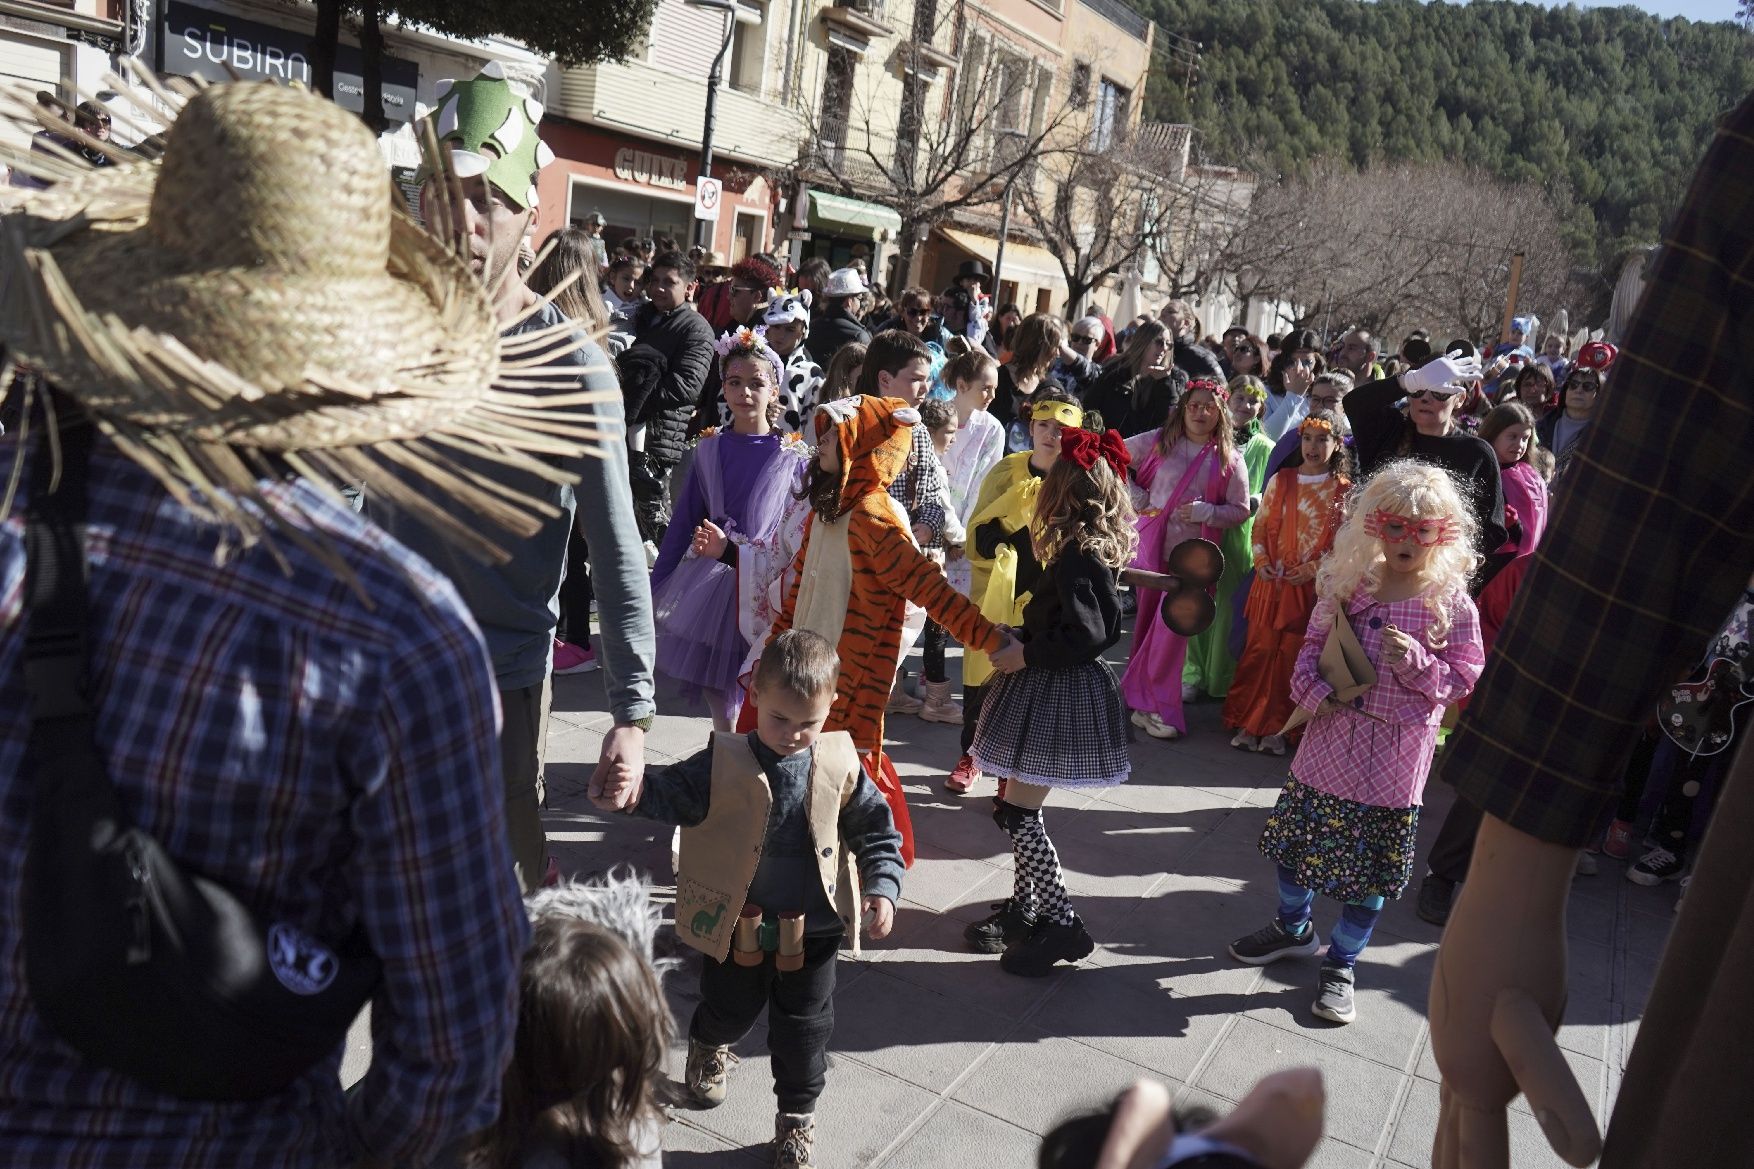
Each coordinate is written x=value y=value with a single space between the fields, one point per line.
x=699 y=644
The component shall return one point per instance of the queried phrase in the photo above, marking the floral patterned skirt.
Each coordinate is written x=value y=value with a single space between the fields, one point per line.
x=1338 y=847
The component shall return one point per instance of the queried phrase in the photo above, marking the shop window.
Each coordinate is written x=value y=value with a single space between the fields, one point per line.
x=749 y=47
x=1044 y=300
x=629 y=215
x=746 y=236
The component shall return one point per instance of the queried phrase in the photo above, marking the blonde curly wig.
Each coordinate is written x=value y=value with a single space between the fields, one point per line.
x=1419 y=491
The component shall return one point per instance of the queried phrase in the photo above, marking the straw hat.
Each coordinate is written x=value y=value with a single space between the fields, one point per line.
x=258 y=298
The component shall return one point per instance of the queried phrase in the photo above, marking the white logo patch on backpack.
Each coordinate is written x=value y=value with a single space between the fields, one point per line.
x=301 y=963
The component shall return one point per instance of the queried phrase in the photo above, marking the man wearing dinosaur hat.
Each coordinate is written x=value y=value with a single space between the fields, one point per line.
x=489 y=128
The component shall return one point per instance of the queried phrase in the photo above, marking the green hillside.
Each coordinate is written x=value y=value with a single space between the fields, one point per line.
x=1609 y=108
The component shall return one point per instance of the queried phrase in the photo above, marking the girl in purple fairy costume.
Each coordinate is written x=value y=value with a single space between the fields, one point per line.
x=736 y=493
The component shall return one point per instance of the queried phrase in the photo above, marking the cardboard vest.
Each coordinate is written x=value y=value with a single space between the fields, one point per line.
x=720 y=854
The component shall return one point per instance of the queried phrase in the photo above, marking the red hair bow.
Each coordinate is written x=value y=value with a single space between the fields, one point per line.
x=1084 y=447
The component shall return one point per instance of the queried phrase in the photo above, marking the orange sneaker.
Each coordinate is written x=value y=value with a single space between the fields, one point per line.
x=963 y=777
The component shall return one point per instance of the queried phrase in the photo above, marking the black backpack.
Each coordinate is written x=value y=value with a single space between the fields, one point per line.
x=142 y=966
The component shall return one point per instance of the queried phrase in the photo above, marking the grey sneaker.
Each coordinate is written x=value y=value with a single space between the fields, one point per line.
x=706 y=1073
x=1333 y=1000
x=1273 y=942
x=794 y=1140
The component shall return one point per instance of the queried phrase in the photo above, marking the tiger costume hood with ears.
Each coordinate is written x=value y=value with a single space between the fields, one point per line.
x=874 y=437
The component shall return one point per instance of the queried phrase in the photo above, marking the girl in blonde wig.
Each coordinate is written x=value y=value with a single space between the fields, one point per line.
x=1345 y=821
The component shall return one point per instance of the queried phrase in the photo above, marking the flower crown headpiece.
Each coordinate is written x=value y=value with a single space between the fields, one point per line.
x=749 y=342
x=1216 y=389
x=1309 y=424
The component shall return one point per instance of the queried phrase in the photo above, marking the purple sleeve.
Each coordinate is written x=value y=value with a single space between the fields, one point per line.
x=1235 y=507
x=689 y=511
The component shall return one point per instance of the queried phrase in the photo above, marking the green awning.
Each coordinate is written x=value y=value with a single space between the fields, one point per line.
x=852 y=217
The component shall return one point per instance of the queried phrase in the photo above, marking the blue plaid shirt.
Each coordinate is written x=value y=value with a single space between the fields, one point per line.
x=326 y=761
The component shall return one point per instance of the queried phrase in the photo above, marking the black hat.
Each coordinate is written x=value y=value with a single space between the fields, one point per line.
x=974 y=268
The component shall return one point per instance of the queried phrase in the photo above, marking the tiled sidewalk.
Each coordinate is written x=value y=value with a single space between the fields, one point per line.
x=939 y=1059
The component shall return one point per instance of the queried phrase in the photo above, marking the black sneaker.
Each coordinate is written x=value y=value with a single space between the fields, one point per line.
x=1005 y=925
x=1333 y=1000
x=1273 y=941
x=1657 y=866
x=1436 y=895
x=1049 y=942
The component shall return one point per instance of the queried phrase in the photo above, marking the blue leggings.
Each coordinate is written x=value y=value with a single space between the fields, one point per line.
x=1352 y=932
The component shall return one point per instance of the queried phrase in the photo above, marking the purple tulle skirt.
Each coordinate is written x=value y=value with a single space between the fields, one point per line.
x=699 y=643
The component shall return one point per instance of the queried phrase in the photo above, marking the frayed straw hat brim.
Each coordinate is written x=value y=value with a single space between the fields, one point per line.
x=259 y=289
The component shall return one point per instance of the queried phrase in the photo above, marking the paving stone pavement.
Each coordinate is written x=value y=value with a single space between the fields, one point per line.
x=940 y=1059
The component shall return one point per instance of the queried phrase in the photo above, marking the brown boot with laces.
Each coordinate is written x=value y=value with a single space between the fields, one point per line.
x=706 y=1073
x=794 y=1140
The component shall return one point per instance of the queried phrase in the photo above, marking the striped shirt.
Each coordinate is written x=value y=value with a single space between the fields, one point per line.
x=328 y=762
x=1651 y=541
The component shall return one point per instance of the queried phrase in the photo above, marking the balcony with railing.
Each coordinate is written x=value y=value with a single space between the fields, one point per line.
x=1121 y=16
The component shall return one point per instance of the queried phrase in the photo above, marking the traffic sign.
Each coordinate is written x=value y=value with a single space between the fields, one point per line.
x=707 y=194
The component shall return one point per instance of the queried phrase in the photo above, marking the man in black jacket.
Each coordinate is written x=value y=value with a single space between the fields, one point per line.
x=662 y=375
x=836 y=324
x=1190 y=357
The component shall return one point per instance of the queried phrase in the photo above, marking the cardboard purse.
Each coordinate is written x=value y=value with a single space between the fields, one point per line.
x=1343 y=666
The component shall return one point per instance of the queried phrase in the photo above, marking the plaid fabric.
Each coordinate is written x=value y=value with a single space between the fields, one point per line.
x=326 y=761
x=919 y=487
x=1378 y=752
x=1054 y=727
x=1651 y=540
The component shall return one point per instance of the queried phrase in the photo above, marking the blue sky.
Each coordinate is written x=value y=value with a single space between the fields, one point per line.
x=1691 y=9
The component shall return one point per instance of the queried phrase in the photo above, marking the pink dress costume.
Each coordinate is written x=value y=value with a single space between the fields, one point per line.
x=1346 y=819
x=742 y=482
x=1526 y=492
x=1162 y=483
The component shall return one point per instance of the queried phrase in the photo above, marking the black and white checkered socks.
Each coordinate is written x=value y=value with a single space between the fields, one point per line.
x=1037 y=867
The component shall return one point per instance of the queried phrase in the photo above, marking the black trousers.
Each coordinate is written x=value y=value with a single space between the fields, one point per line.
x=1453 y=849
x=972 y=697
x=575 y=592
x=932 y=651
x=800 y=1016
x=1687 y=783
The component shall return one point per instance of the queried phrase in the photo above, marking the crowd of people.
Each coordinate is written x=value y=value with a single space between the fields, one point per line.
x=766 y=483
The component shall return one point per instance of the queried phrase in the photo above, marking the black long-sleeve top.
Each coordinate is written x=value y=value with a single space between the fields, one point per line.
x=1380 y=431
x=1074 y=615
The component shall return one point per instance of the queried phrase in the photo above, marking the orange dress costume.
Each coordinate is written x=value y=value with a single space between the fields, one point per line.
x=855 y=574
x=1295 y=529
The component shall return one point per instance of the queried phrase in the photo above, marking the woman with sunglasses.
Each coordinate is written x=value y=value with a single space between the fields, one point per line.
x=1414 y=416
x=1560 y=430
x=1139 y=387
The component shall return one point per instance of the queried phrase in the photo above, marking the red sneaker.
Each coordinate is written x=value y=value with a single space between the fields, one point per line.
x=573 y=659
x=963 y=777
x=1618 y=842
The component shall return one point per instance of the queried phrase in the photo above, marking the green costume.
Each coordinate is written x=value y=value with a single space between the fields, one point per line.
x=1209 y=664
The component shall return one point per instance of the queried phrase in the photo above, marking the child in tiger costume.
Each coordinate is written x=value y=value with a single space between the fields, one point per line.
x=859 y=567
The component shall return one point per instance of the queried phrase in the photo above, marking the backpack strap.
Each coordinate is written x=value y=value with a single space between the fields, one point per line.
x=57 y=607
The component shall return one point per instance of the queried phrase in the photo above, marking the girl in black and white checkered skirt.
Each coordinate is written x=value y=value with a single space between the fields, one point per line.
x=1052 y=718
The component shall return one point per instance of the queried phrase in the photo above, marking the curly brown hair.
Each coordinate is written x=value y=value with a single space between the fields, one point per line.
x=1088 y=510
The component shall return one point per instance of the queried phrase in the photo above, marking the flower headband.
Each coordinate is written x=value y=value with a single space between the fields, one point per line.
x=1391 y=528
x=1084 y=447
x=1065 y=413
x=747 y=342
x=1217 y=390
x=1309 y=424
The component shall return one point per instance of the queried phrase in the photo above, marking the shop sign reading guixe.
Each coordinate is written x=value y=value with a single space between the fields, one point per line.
x=654 y=170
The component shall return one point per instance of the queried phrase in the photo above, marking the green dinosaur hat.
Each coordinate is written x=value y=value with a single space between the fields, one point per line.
x=486 y=111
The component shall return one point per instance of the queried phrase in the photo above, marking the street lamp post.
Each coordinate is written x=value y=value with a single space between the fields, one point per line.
x=1004 y=217
x=703 y=228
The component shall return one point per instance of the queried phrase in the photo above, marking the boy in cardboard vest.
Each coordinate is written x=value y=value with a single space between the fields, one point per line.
x=773 y=825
